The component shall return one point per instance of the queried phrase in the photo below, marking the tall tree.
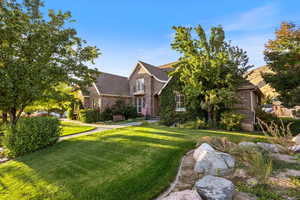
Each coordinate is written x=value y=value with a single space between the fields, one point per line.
x=210 y=69
x=282 y=55
x=37 y=54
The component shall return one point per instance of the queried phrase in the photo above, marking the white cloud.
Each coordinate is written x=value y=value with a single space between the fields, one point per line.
x=258 y=18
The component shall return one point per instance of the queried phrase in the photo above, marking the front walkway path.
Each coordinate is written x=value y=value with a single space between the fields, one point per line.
x=99 y=128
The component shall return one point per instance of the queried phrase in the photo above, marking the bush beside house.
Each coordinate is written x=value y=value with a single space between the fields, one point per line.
x=119 y=108
x=31 y=134
x=231 y=121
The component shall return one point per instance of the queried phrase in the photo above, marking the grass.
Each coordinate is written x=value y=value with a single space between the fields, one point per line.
x=69 y=128
x=122 y=122
x=129 y=163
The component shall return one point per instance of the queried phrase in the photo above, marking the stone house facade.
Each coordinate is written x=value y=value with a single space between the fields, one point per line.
x=143 y=87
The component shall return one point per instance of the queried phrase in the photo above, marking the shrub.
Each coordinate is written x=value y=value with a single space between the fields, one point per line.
x=231 y=121
x=70 y=113
x=89 y=116
x=127 y=110
x=196 y=124
x=106 y=115
x=31 y=134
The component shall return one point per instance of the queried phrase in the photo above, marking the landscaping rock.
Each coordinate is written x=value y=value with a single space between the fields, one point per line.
x=184 y=195
x=243 y=196
x=285 y=157
x=202 y=148
x=247 y=144
x=274 y=148
x=215 y=188
x=241 y=173
x=252 y=181
x=295 y=148
x=296 y=139
x=214 y=163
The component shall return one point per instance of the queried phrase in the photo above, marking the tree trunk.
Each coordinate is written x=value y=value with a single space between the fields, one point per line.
x=209 y=119
x=214 y=119
x=13 y=116
x=4 y=117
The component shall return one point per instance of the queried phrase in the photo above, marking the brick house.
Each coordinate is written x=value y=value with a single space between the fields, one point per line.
x=143 y=87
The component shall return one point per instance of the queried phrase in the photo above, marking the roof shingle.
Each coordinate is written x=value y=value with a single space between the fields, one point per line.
x=155 y=71
x=112 y=84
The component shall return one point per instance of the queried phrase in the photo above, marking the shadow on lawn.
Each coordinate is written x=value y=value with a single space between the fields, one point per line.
x=104 y=165
x=101 y=168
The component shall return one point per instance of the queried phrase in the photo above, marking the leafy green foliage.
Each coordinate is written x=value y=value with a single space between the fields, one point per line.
x=209 y=69
x=59 y=100
x=31 y=134
x=196 y=124
x=282 y=57
x=89 y=116
x=107 y=114
x=231 y=121
x=168 y=114
x=127 y=110
x=261 y=191
x=37 y=55
x=70 y=113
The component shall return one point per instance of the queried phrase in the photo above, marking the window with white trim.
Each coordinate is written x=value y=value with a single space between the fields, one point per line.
x=179 y=99
x=140 y=104
x=140 y=86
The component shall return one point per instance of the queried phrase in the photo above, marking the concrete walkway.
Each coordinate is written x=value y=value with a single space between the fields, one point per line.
x=99 y=128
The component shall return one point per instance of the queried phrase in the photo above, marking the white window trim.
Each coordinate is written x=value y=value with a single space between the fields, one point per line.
x=181 y=108
x=140 y=85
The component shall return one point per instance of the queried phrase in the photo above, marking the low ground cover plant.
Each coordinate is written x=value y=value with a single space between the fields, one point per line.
x=31 y=134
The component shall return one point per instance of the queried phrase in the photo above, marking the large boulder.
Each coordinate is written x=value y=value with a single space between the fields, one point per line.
x=274 y=148
x=215 y=188
x=214 y=163
x=202 y=148
x=296 y=139
x=184 y=195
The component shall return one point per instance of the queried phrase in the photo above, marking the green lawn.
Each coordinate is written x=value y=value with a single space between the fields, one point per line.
x=134 y=163
x=122 y=122
x=69 y=128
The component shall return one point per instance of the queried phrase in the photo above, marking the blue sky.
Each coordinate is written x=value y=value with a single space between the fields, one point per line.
x=131 y=30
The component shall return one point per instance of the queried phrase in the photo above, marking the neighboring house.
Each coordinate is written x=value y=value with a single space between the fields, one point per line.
x=143 y=88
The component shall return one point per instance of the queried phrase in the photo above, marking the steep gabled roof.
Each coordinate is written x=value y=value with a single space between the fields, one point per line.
x=112 y=84
x=155 y=71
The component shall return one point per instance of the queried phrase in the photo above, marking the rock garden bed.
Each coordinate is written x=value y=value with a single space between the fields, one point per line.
x=222 y=170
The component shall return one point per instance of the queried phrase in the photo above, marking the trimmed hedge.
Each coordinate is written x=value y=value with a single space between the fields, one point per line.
x=31 y=134
x=89 y=116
